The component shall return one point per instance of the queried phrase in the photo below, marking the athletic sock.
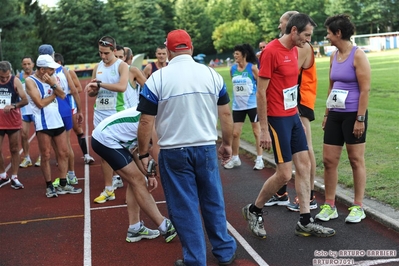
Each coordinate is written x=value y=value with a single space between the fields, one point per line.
x=162 y=227
x=304 y=218
x=49 y=183
x=330 y=202
x=254 y=209
x=311 y=194
x=282 y=190
x=135 y=227
x=63 y=182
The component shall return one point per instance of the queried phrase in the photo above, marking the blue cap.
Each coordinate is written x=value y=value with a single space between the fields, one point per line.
x=46 y=49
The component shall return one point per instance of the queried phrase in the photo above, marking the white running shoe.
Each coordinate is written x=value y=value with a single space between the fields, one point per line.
x=88 y=159
x=259 y=165
x=232 y=163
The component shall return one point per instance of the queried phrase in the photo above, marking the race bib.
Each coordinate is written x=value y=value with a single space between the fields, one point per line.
x=337 y=99
x=290 y=96
x=241 y=89
x=105 y=103
x=5 y=100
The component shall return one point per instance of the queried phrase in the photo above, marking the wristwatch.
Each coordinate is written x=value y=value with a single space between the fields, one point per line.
x=144 y=156
x=361 y=118
x=15 y=105
x=54 y=86
x=98 y=84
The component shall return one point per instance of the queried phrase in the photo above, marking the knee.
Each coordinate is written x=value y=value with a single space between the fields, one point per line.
x=236 y=134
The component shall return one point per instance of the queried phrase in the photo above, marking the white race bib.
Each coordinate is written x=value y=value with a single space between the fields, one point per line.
x=5 y=100
x=241 y=89
x=105 y=103
x=290 y=96
x=337 y=99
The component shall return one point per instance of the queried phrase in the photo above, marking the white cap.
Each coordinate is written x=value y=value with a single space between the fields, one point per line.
x=46 y=60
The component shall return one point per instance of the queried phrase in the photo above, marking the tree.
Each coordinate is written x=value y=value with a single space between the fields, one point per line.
x=146 y=26
x=229 y=34
x=18 y=36
x=191 y=16
x=77 y=26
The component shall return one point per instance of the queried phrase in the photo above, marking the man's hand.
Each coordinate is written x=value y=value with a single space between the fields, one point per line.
x=265 y=140
x=224 y=153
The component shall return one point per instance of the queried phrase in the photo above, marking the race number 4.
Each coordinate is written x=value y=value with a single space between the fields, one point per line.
x=337 y=99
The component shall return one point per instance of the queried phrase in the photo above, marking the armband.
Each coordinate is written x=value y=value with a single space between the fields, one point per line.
x=144 y=156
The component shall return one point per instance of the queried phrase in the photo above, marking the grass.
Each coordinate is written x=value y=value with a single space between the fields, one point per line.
x=382 y=143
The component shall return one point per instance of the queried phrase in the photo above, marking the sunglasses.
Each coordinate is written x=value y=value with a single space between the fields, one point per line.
x=105 y=43
x=261 y=47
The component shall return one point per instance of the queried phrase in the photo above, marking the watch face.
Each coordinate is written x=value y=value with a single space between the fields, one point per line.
x=361 y=118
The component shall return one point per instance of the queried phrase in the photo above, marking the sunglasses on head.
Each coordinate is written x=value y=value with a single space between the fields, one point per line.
x=105 y=43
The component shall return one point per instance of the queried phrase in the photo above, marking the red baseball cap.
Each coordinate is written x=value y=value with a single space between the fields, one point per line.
x=177 y=38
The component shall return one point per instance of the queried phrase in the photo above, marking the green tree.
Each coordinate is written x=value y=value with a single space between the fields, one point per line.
x=145 y=27
x=229 y=34
x=18 y=36
x=77 y=26
x=191 y=16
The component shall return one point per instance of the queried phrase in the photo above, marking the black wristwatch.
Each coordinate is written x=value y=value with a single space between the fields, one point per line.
x=15 y=105
x=144 y=156
x=361 y=118
x=98 y=84
x=54 y=86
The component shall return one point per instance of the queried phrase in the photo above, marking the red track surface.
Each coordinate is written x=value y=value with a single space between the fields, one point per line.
x=72 y=229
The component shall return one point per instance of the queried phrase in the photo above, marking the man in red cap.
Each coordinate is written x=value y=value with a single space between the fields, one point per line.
x=187 y=98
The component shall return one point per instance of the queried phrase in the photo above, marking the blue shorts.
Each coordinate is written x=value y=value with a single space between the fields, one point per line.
x=288 y=137
x=28 y=118
x=72 y=103
x=116 y=158
x=68 y=124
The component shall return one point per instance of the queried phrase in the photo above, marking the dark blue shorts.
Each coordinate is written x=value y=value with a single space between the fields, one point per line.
x=28 y=118
x=288 y=137
x=116 y=158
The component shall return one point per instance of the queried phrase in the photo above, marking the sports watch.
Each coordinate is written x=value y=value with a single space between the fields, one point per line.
x=361 y=118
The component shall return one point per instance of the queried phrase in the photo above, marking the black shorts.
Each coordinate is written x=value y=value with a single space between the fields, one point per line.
x=7 y=131
x=306 y=112
x=239 y=116
x=116 y=158
x=52 y=132
x=339 y=129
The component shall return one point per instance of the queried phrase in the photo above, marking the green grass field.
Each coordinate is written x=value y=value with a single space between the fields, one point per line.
x=382 y=144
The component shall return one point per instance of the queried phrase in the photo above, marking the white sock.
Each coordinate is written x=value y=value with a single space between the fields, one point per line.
x=259 y=158
x=162 y=227
x=109 y=188
x=13 y=177
x=234 y=157
x=28 y=158
x=135 y=226
x=3 y=175
x=71 y=174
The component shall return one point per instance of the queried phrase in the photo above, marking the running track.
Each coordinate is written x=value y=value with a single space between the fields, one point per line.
x=72 y=230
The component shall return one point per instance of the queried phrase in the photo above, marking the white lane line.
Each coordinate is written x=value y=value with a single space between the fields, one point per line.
x=87 y=220
x=119 y=206
x=246 y=246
